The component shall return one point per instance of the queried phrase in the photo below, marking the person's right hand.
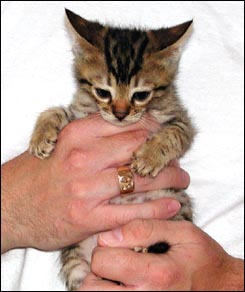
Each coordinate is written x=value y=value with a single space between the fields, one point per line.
x=64 y=199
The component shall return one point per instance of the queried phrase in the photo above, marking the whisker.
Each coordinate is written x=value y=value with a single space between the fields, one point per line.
x=145 y=125
x=152 y=124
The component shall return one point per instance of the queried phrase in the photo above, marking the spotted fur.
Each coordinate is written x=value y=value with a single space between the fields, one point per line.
x=123 y=74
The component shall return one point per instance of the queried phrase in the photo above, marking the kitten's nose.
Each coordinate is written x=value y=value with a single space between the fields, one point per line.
x=120 y=114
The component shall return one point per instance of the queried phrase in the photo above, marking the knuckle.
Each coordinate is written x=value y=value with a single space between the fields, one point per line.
x=75 y=188
x=76 y=158
x=74 y=213
x=97 y=260
x=161 y=277
x=125 y=260
x=156 y=211
x=140 y=228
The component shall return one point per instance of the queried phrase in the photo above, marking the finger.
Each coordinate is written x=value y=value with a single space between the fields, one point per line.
x=124 y=265
x=93 y=283
x=147 y=232
x=170 y=177
x=117 y=215
x=106 y=184
x=117 y=149
x=98 y=127
x=105 y=153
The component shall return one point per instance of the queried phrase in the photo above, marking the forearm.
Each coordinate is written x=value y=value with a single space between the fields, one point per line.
x=7 y=241
x=14 y=183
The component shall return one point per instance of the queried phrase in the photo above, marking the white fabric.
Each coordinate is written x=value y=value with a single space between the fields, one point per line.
x=36 y=74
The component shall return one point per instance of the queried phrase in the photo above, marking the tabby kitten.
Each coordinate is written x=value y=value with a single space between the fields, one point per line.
x=123 y=74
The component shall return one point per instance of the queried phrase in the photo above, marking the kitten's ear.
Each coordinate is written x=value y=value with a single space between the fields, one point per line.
x=87 y=35
x=165 y=45
x=172 y=37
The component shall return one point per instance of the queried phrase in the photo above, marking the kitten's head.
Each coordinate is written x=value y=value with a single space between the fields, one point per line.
x=123 y=70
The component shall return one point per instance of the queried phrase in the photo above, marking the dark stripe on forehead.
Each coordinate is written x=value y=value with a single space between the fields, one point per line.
x=84 y=81
x=124 y=51
x=139 y=58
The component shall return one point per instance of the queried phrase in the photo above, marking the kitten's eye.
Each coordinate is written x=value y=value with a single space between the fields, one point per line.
x=103 y=93
x=141 y=95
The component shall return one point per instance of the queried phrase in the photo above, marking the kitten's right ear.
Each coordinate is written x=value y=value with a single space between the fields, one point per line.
x=87 y=35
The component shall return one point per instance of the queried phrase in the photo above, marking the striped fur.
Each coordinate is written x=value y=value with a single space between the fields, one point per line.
x=123 y=74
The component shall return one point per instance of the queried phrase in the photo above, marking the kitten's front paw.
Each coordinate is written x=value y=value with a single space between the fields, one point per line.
x=43 y=142
x=149 y=159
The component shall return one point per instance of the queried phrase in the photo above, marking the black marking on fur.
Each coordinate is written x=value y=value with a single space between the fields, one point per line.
x=124 y=51
x=58 y=117
x=66 y=114
x=84 y=81
x=139 y=58
x=162 y=151
x=186 y=217
x=176 y=122
x=163 y=87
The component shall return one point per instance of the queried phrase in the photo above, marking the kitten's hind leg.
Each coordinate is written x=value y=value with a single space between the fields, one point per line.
x=74 y=267
x=46 y=130
x=75 y=261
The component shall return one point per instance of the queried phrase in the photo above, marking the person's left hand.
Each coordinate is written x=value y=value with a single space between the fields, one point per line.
x=194 y=262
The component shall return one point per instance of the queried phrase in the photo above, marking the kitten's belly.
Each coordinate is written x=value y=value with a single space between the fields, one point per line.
x=143 y=197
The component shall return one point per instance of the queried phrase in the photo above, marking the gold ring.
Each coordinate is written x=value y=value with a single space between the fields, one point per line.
x=125 y=179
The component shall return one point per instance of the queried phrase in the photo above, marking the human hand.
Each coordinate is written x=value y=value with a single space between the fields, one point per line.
x=194 y=262
x=64 y=199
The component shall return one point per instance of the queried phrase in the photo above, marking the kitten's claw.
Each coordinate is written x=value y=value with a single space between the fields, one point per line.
x=148 y=160
x=140 y=249
x=43 y=142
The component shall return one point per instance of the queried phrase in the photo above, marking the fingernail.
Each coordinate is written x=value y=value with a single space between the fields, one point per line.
x=185 y=175
x=185 y=178
x=111 y=237
x=174 y=207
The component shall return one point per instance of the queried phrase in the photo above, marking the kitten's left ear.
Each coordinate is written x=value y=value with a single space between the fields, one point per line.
x=170 y=38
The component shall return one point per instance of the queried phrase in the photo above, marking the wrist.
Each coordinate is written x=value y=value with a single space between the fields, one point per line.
x=228 y=275
x=233 y=276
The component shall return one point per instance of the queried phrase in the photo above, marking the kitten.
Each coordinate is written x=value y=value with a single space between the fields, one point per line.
x=123 y=74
